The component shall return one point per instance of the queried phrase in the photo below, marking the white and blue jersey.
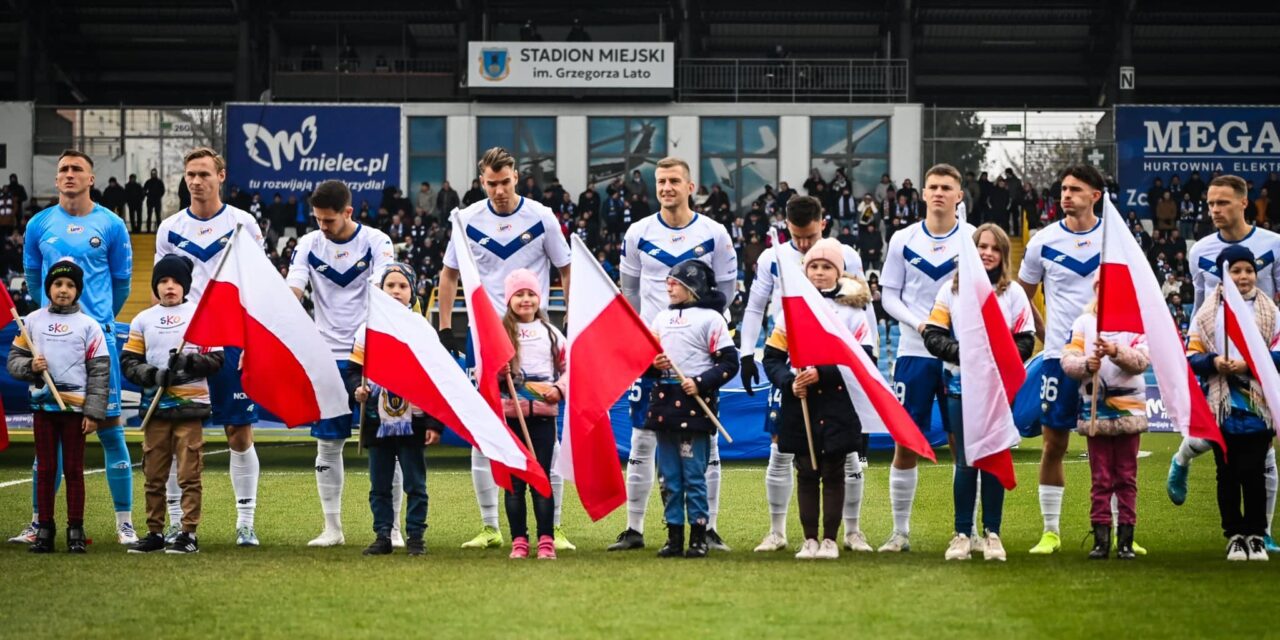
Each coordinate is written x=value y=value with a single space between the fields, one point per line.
x=1066 y=262
x=651 y=248
x=340 y=273
x=527 y=238
x=1206 y=274
x=99 y=243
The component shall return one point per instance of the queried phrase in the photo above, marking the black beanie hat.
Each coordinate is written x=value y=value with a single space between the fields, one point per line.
x=404 y=270
x=172 y=266
x=696 y=276
x=65 y=269
x=1233 y=254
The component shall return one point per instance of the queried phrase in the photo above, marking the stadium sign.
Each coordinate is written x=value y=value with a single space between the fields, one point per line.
x=579 y=66
x=1163 y=141
x=289 y=149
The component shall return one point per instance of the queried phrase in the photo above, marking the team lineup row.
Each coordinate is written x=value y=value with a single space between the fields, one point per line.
x=676 y=271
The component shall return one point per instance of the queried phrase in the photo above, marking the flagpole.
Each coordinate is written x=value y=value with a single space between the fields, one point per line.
x=364 y=380
x=226 y=251
x=48 y=379
x=1097 y=320
x=524 y=428
x=702 y=403
x=808 y=432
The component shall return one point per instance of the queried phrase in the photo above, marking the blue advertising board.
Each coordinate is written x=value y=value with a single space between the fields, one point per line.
x=289 y=149
x=1164 y=141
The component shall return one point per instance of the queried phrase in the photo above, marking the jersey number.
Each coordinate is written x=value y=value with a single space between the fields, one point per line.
x=1049 y=389
x=900 y=390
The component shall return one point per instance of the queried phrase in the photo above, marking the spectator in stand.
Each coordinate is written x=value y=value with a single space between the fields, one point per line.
x=750 y=255
x=426 y=201
x=1144 y=239
x=17 y=192
x=811 y=183
x=1195 y=187
x=1170 y=288
x=615 y=209
x=867 y=210
x=184 y=197
x=839 y=182
x=1155 y=193
x=846 y=206
x=848 y=238
x=8 y=212
x=1166 y=212
x=883 y=187
x=396 y=230
x=785 y=193
x=824 y=196
x=279 y=214
x=154 y=191
x=417 y=231
x=1179 y=312
x=589 y=200
x=640 y=207
x=301 y=216
x=737 y=235
x=529 y=189
x=637 y=184
x=901 y=214
x=1260 y=207
x=134 y=194
x=446 y=201
x=909 y=191
x=718 y=200
x=113 y=197
x=567 y=206
x=971 y=194
x=1175 y=187
x=984 y=191
x=577 y=33
x=998 y=204
x=239 y=199
x=257 y=209
x=474 y=194
x=1012 y=182
x=1204 y=222
x=1187 y=215
x=870 y=244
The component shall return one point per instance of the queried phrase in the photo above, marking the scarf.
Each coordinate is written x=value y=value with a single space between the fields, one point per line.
x=1209 y=322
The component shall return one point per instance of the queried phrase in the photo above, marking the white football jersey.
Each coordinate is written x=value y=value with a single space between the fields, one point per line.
x=1205 y=274
x=202 y=241
x=339 y=274
x=919 y=263
x=527 y=238
x=1066 y=262
x=651 y=248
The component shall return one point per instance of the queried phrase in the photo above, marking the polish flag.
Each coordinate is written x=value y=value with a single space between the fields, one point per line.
x=403 y=354
x=1240 y=327
x=993 y=372
x=8 y=311
x=815 y=337
x=609 y=347
x=286 y=366
x=1129 y=299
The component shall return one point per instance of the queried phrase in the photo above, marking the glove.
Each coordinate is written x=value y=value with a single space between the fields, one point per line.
x=750 y=375
x=178 y=361
x=449 y=341
x=163 y=376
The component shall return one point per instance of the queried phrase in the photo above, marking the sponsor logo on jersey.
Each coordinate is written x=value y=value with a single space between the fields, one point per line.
x=338 y=255
x=939 y=248
x=1080 y=244
x=170 y=321
x=75 y=228
x=526 y=334
x=57 y=329
x=679 y=237
x=204 y=231
x=506 y=226
x=95 y=242
x=678 y=321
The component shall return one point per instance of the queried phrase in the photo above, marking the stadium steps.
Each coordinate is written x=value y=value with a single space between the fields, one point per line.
x=144 y=251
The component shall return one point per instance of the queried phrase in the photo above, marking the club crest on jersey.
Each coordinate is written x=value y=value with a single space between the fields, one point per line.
x=526 y=237
x=222 y=241
x=74 y=228
x=58 y=329
x=362 y=264
x=95 y=242
x=699 y=250
x=170 y=321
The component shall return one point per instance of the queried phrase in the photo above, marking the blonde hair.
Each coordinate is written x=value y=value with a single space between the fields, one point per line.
x=205 y=152
x=497 y=159
x=671 y=162
x=944 y=169
x=1003 y=244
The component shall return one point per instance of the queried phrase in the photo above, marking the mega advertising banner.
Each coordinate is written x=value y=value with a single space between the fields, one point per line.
x=579 y=66
x=1164 y=141
x=289 y=149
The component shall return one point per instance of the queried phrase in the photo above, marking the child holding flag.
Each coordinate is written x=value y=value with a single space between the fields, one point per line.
x=695 y=342
x=72 y=348
x=536 y=373
x=939 y=339
x=157 y=359
x=392 y=430
x=1111 y=379
x=1239 y=402
x=837 y=432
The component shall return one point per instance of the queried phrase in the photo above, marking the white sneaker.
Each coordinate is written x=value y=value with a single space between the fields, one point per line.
x=125 y=533
x=993 y=549
x=397 y=539
x=855 y=541
x=808 y=550
x=27 y=536
x=330 y=538
x=828 y=550
x=1257 y=549
x=1236 y=549
x=977 y=543
x=897 y=542
x=772 y=542
x=960 y=548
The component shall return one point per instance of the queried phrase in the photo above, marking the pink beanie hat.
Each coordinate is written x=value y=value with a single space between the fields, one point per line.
x=517 y=280
x=828 y=249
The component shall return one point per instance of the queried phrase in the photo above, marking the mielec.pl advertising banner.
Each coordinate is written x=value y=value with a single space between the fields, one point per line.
x=289 y=149
x=570 y=65
x=1164 y=141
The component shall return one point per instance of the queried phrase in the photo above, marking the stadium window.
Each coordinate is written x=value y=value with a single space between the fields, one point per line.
x=740 y=155
x=426 y=152
x=531 y=140
x=859 y=145
x=619 y=146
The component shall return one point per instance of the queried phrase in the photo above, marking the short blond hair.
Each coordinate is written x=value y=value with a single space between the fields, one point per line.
x=205 y=152
x=497 y=159
x=944 y=169
x=670 y=162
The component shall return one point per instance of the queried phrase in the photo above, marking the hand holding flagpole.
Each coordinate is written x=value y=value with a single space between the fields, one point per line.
x=524 y=427
x=703 y=403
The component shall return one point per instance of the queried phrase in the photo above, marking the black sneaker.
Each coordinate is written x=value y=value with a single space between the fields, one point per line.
x=415 y=546
x=381 y=546
x=184 y=543
x=150 y=543
x=629 y=539
x=715 y=542
x=44 y=539
x=76 y=542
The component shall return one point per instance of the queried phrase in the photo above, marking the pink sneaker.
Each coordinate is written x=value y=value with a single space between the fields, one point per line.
x=546 y=548
x=519 y=548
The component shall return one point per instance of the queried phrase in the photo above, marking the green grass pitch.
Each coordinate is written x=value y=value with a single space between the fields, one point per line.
x=1183 y=588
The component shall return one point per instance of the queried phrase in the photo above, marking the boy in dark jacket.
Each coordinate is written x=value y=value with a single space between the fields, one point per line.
x=695 y=342
x=157 y=359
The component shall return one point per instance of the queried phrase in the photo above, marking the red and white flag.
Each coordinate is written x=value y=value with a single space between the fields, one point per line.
x=8 y=313
x=286 y=366
x=403 y=354
x=1129 y=299
x=489 y=340
x=993 y=371
x=1242 y=330
x=815 y=337
x=609 y=347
